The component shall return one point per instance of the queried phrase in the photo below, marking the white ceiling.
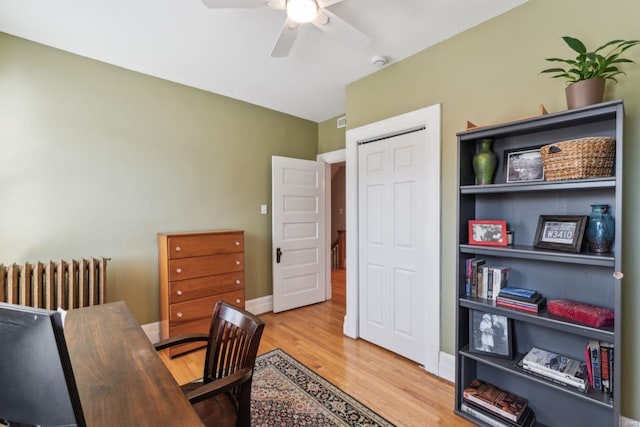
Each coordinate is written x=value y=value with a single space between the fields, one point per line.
x=227 y=51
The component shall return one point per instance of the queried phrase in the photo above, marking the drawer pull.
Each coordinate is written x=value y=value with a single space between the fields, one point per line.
x=178 y=248
x=237 y=262
x=179 y=314
x=237 y=300
x=178 y=270
x=237 y=243
x=237 y=281
x=179 y=293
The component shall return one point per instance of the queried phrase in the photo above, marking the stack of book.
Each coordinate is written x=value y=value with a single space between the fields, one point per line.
x=521 y=299
x=482 y=280
x=555 y=367
x=599 y=361
x=495 y=406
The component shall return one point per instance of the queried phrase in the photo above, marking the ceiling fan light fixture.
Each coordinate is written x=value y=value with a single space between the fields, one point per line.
x=302 y=11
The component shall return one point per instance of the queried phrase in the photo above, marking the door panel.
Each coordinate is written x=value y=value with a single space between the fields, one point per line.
x=298 y=224
x=392 y=249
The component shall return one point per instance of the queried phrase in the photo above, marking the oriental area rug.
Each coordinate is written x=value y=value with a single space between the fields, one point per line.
x=287 y=393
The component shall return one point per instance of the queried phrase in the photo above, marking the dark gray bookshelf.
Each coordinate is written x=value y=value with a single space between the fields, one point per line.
x=585 y=276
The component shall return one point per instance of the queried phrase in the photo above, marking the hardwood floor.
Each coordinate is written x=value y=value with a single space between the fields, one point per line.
x=391 y=385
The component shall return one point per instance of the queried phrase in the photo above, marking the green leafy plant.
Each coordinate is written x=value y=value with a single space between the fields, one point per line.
x=592 y=65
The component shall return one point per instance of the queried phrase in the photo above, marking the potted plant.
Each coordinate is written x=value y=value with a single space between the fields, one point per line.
x=586 y=73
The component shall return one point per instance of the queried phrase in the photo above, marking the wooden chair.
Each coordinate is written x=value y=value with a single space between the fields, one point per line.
x=223 y=396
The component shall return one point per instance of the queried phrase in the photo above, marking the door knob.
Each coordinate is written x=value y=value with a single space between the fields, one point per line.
x=278 y=255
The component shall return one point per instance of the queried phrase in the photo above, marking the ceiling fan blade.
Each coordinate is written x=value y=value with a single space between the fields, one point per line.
x=234 y=4
x=327 y=3
x=338 y=28
x=288 y=35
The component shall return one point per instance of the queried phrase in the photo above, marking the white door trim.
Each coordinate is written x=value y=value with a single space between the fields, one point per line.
x=333 y=156
x=329 y=158
x=429 y=117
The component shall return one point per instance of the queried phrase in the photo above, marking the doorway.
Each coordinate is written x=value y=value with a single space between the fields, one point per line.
x=336 y=219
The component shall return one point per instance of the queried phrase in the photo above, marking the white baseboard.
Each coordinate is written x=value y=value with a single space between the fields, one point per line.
x=628 y=422
x=153 y=331
x=447 y=367
x=259 y=305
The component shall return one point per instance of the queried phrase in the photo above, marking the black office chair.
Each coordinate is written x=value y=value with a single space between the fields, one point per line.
x=223 y=397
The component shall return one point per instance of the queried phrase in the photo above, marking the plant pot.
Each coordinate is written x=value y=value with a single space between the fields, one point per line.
x=585 y=92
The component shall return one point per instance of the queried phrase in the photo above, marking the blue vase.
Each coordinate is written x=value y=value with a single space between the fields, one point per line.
x=600 y=229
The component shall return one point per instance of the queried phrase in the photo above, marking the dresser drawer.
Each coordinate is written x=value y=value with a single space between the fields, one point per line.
x=189 y=268
x=204 y=244
x=188 y=311
x=185 y=290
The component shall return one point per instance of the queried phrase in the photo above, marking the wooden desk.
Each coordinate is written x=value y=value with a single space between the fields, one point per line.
x=121 y=379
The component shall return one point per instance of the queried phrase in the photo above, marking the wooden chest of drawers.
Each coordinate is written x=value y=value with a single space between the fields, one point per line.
x=196 y=270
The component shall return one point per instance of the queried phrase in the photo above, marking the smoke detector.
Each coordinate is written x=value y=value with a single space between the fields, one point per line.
x=379 y=61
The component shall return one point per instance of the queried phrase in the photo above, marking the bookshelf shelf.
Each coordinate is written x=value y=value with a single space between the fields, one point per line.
x=529 y=252
x=585 y=276
x=582 y=184
x=592 y=396
x=545 y=319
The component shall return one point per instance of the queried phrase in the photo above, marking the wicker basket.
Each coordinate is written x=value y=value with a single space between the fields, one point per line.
x=579 y=158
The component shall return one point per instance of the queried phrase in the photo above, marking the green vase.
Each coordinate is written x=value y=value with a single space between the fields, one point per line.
x=484 y=162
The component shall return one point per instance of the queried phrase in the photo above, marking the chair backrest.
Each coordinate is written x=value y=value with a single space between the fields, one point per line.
x=234 y=338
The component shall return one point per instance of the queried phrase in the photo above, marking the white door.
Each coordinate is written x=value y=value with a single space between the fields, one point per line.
x=298 y=228
x=392 y=236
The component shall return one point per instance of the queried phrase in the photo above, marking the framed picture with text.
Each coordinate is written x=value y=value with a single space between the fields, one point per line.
x=560 y=232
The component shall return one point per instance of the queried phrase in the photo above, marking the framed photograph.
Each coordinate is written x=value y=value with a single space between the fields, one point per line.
x=523 y=165
x=560 y=232
x=487 y=232
x=490 y=334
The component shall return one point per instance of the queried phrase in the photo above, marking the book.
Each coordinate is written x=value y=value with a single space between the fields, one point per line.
x=611 y=369
x=487 y=282
x=534 y=306
x=537 y=303
x=520 y=367
x=594 y=351
x=500 y=278
x=489 y=279
x=475 y=265
x=488 y=396
x=519 y=293
x=558 y=366
x=587 y=358
x=516 y=305
x=605 y=366
x=494 y=420
x=468 y=275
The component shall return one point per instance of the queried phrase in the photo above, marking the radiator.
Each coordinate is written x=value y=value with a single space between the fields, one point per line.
x=67 y=284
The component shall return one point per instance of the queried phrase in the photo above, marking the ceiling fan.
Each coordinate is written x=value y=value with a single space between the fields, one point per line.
x=300 y=12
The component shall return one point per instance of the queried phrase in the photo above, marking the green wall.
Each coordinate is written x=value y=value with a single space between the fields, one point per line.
x=97 y=159
x=330 y=138
x=490 y=74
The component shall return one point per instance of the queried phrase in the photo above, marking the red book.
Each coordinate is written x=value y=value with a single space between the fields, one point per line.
x=516 y=306
x=587 y=357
